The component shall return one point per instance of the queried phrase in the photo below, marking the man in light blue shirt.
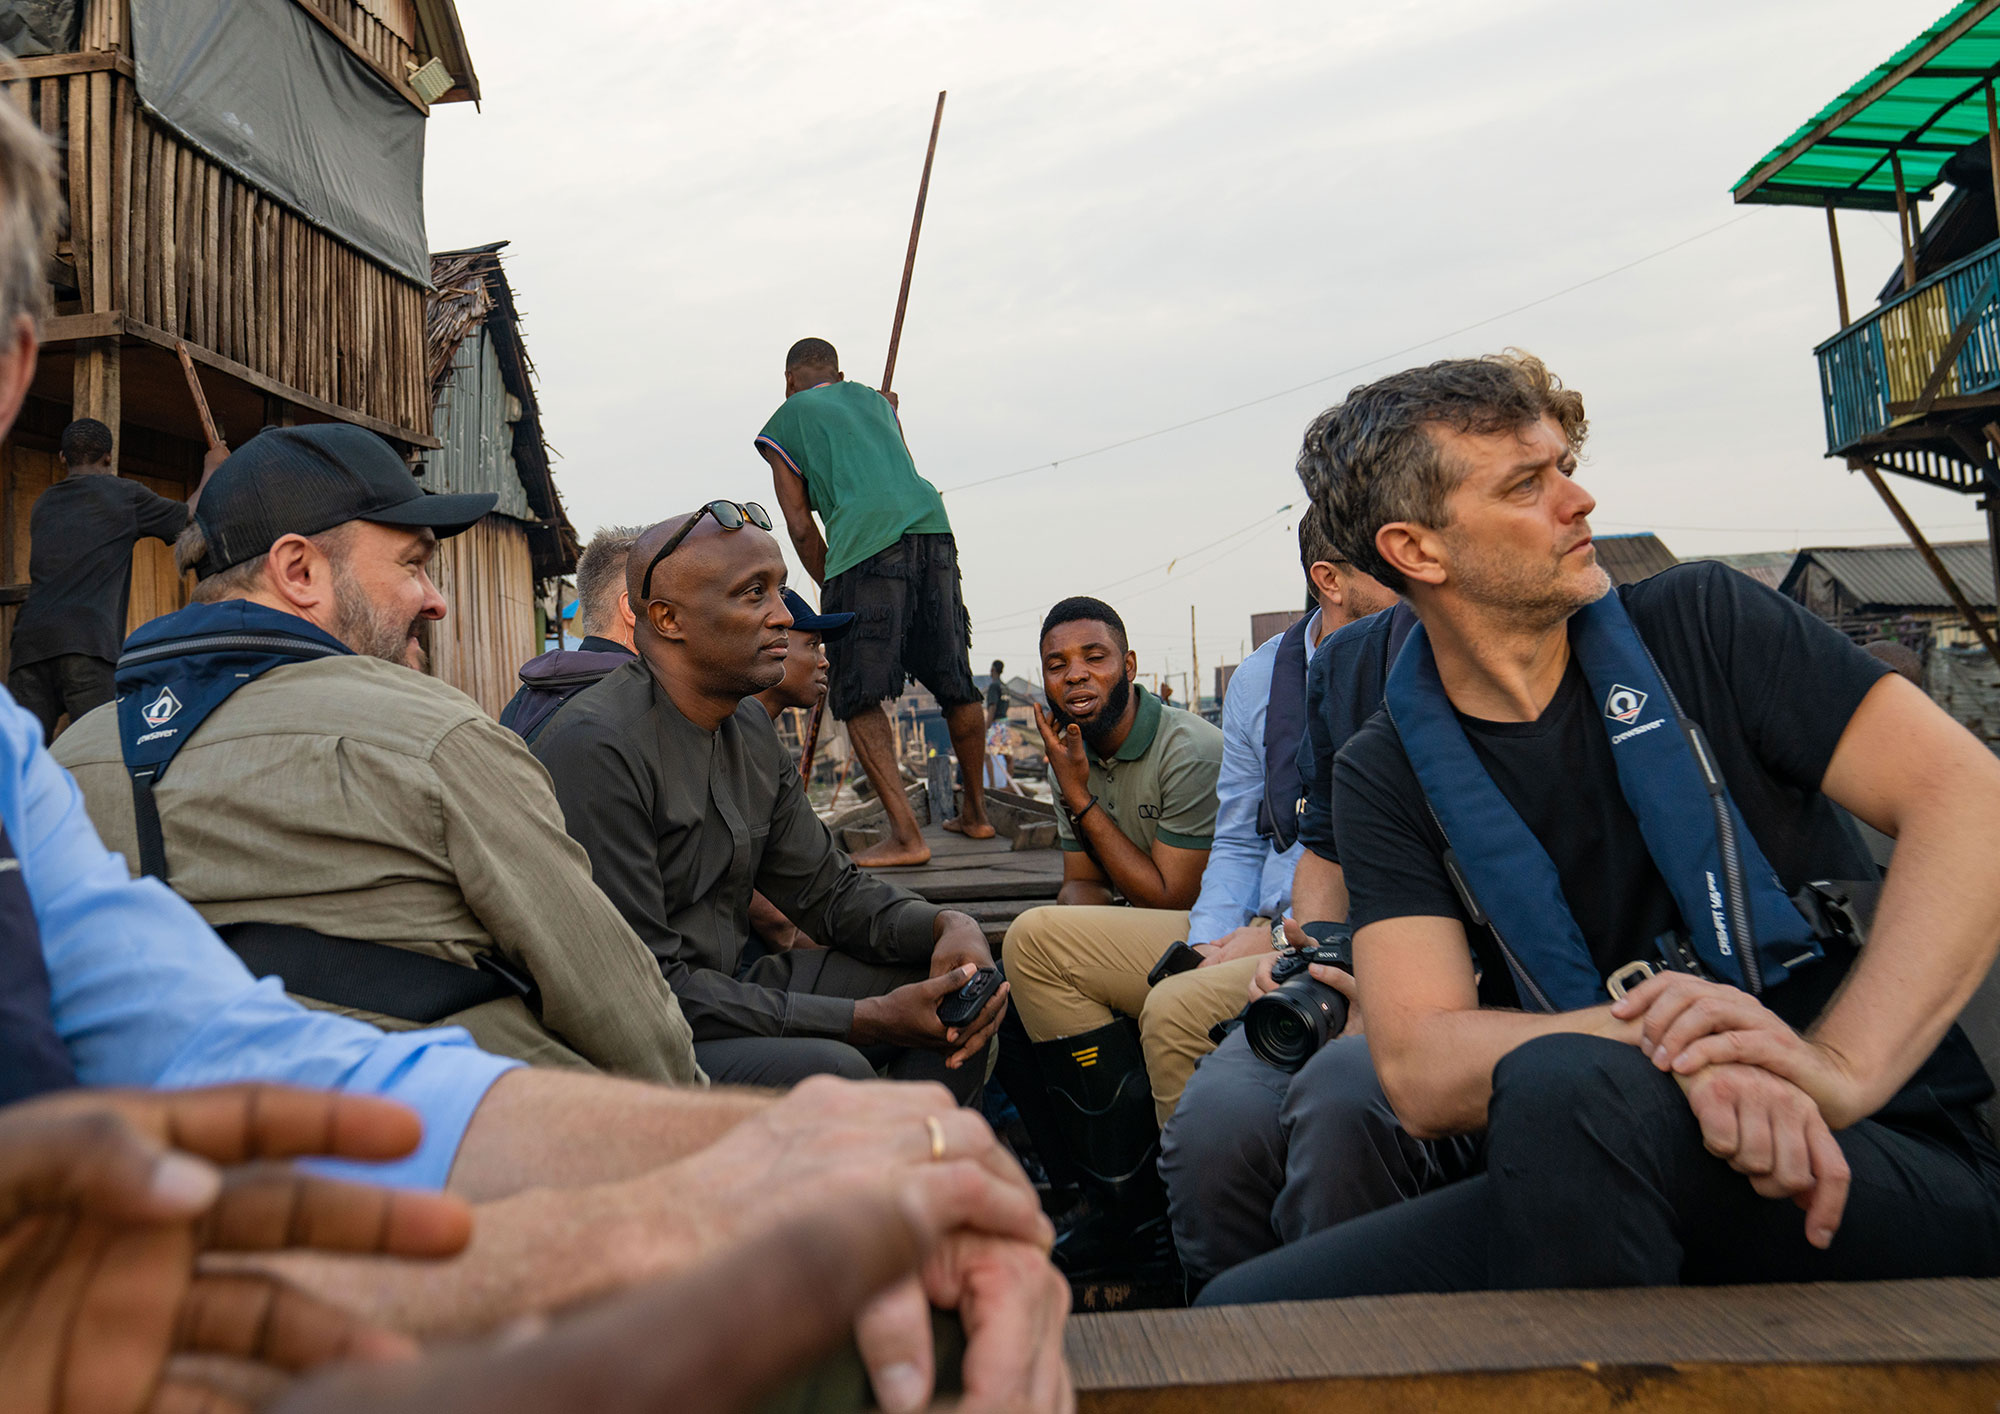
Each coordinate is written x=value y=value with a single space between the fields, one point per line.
x=142 y=992
x=1249 y=872
x=1246 y=887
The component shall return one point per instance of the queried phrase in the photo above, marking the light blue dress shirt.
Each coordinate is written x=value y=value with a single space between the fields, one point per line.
x=146 y=995
x=1245 y=877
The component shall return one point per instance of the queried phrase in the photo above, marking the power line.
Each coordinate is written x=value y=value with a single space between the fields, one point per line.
x=1000 y=621
x=1357 y=367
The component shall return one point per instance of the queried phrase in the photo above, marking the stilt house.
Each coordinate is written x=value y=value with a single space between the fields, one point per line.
x=1911 y=388
x=490 y=430
x=244 y=177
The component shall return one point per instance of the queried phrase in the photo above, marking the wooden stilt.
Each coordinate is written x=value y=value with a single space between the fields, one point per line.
x=1839 y=270
x=1903 y=224
x=1930 y=557
x=95 y=390
x=1993 y=147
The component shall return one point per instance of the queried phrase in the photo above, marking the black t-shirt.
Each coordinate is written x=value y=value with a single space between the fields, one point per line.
x=1772 y=688
x=80 y=564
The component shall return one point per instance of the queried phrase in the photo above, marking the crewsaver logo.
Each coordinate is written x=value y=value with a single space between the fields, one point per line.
x=1624 y=704
x=161 y=709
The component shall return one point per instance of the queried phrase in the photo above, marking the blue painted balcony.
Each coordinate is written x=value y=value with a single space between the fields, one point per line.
x=1925 y=357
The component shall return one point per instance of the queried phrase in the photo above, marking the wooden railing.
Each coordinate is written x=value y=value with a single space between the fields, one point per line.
x=164 y=244
x=1917 y=353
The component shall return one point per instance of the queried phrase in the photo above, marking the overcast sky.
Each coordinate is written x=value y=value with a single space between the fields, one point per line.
x=1146 y=213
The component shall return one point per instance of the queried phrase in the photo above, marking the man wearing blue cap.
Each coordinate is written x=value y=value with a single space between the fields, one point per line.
x=804 y=682
x=802 y=686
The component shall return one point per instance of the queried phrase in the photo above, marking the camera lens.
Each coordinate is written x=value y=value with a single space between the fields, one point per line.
x=1287 y=1027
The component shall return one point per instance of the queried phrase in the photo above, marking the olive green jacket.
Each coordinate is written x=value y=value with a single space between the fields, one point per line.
x=363 y=800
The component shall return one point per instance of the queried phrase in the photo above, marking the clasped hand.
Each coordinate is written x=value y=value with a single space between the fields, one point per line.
x=1766 y=1097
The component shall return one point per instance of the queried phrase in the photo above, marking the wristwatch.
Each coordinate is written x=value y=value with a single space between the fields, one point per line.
x=1279 y=943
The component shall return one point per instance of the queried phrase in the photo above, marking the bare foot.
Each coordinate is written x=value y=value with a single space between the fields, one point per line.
x=958 y=825
x=891 y=853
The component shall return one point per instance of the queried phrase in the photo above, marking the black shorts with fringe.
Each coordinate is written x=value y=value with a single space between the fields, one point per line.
x=909 y=621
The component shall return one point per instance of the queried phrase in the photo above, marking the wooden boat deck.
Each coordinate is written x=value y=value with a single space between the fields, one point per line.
x=1829 y=1347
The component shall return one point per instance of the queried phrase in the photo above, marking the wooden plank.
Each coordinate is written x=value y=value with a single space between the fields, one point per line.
x=266 y=384
x=167 y=231
x=1351 y=1354
x=51 y=66
x=211 y=246
x=225 y=341
x=397 y=82
x=78 y=99
x=121 y=193
x=103 y=254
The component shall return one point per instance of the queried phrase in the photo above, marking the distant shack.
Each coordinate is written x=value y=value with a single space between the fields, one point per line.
x=496 y=576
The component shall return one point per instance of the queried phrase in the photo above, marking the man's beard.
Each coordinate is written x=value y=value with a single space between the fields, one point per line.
x=1110 y=712
x=370 y=631
x=1534 y=597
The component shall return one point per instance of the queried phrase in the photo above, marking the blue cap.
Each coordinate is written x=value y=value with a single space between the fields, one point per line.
x=827 y=626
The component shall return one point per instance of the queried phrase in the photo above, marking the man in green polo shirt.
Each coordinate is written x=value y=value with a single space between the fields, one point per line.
x=1137 y=789
x=887 y=556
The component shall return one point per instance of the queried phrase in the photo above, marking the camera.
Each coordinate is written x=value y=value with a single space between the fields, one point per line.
x=1287 y=1026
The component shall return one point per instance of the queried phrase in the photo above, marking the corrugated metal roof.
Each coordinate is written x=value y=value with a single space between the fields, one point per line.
x=1767 y=567
x=1881 y=578
x=475 y=418
x=1631 y=558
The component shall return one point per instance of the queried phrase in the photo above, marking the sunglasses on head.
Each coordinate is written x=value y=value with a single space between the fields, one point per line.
x=730 y=515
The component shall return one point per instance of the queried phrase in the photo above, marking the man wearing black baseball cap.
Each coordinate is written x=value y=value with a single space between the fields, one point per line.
x=363 y=831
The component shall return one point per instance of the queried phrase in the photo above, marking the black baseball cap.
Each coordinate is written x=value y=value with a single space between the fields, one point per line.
x=302 y=480
x=827 y=626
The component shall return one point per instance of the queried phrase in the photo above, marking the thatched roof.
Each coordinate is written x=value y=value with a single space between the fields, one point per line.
x=470 y=290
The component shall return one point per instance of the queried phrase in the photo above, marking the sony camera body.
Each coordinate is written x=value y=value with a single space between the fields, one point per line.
x=1286 y=1026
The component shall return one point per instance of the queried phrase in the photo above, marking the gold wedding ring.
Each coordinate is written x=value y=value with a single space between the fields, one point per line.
x=936 y=1129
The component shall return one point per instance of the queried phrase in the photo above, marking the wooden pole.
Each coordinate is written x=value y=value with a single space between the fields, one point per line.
x=1903 y=225
x=1839 y=270
x=1194 y=656
x=1950 y=585
x=1993 y=148
x=811 y=742
x=910 y=257
x=200 y=402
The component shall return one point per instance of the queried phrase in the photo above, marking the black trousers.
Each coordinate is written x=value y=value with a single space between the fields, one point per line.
x=69 y=682
x=1596 y=1176
x=782 y=1061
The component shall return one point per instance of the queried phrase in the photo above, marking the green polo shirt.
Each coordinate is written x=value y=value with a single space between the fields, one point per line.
x=843 y=441
x=1160 y=783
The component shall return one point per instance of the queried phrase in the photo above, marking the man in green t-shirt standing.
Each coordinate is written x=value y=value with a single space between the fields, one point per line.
x=888 y=558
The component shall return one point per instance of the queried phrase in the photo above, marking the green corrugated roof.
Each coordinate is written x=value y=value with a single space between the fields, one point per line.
x=1926 y=102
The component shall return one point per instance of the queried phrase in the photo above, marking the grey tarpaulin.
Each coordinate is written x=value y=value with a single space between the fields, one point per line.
x=40 y=26
x=263 y=89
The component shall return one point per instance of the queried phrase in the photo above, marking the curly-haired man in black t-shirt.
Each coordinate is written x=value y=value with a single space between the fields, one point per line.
x=1578 y=843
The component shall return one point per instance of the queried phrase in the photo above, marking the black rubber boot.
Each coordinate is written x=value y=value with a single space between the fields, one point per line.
x=1102 y=1106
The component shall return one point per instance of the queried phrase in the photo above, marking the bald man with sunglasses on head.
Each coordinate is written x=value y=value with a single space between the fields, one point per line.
x=672 y=779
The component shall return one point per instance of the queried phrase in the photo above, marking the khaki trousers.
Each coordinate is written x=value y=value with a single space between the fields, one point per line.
x=1076 y=969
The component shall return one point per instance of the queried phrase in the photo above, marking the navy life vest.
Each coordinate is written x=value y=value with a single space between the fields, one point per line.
x=547 y=682
x=1284 y=725
x=1741 y=926
x=179 y=668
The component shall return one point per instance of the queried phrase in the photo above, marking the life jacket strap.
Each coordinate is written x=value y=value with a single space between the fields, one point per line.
x=146 y=823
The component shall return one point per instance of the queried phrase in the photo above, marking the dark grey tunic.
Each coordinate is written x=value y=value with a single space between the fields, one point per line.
x=681 y=824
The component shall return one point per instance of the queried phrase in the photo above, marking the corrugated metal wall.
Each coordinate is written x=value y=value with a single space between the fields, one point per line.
x=475 y=420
